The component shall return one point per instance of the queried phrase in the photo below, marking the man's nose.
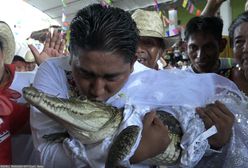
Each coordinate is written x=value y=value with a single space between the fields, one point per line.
x=199 y=54
x=97 y=87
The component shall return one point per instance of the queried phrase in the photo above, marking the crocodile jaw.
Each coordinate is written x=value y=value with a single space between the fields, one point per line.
x=88 y=121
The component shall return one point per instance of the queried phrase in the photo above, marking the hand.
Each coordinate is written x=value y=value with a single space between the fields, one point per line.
x=217 y=114
x=53 y=47
x=155 y=138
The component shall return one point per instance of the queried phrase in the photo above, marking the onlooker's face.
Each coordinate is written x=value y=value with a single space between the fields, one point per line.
x=148 y=54
x=100 y=75
x=20 y=66
x=203 y=51
x=30 y=66
x=240 y=46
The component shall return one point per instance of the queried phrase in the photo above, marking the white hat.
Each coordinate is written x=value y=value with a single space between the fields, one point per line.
x=8 y=42
x=29 y=57
x=149 y=23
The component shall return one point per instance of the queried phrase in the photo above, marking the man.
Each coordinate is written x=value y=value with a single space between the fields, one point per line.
x=151 y=44
x=101 y=63
x=204 y=44
x=102 y=47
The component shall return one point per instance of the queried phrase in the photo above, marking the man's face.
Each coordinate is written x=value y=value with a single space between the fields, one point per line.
x=148 y=55
x=240 y=46
x=100 y=75
x=20 y=66
x=30 y=66
x=203 y=51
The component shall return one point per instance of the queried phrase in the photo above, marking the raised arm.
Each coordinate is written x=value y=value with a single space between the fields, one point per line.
x=53 y=47
x=212 y=7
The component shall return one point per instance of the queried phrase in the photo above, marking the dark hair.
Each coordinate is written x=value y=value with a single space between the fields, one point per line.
x=152 y=41
x=104 y=29
x=18 y=58
x=203 y=24
x=236 y=22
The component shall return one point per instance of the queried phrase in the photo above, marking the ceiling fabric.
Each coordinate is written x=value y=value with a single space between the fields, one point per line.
x=54 y=8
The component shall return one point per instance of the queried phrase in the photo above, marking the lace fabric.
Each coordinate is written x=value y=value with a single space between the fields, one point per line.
x=235 y=153
x=181 y=99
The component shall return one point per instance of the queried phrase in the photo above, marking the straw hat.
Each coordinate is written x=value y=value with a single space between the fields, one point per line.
x=149 y=23
x=8 y=41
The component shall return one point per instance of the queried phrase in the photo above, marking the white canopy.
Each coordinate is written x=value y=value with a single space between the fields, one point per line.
x=54 y=8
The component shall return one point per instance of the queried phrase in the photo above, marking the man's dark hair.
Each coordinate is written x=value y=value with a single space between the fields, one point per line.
x=203 y=24
x=18 y=58
x=236 y=22
x=104 y=29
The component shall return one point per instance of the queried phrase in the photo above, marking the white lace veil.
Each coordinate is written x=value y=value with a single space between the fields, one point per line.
x=179 y=92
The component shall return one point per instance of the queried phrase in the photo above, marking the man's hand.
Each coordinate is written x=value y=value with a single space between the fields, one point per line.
x=217 y=114
x=155 y=138
x=53 y=47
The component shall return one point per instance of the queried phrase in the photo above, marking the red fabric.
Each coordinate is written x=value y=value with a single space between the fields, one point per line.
x=5 y=142
x=13 y=115
x=6 y=106
x=19 y=118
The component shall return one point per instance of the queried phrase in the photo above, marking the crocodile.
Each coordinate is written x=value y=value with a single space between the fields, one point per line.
x=93 y=121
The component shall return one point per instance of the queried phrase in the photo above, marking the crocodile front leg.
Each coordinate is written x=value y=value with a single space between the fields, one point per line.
x=122 y=146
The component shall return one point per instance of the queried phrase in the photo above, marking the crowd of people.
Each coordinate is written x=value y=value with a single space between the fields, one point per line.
x=112 y=52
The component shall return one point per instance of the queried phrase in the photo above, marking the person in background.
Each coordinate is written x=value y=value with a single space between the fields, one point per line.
x=20 y=63
x=23 y=151
x=238 y=40
x=238 y=37
x=151 y=44
x=204 y=44
x=14 y=117
x=24 y=64
x=30 y=61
